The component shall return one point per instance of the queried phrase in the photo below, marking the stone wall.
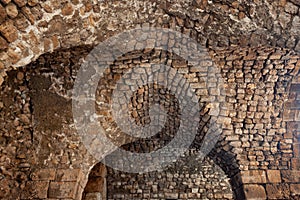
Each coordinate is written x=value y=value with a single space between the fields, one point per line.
x=256 y=137
x=195 y=180
x=41 y=155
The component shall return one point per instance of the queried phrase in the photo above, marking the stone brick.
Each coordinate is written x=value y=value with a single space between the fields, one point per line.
x=295 y=189
x=67 y=9
x=254 y=176
x=20 y=3
x=289 y=115
x=295 y=164
x=62 y=190
x=296 y=148
x=273 y=176
x=255 y=192
x=2 y=13
x=12 y=10
x=278 y=191
x=93 y=196
x=35 y=189
x=32 y=2
x=5 y=1
x=28 y=14
x=9 y=31
x=290 y=176
x=3 y=43
x=67 y=174
x=43 y=175
x=297 y=2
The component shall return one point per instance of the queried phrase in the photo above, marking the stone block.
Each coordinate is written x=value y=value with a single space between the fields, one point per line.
x=295 y=164
x=9 y=31
x=295 y=189
x=3 y=43
x=255 y=192
x=20 y=3
x=273 y=176
x=254 y=176
x=67 y=174
x=296 y=148
x=278 y=191
x=289 y=115
x=43 y=175
x=290 y=176
x=12 y=10
x=63 y=190
x=35 y=189
x=2 y=13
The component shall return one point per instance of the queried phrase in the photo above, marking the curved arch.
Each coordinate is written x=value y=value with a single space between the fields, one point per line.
x=228 y=163
x=41 y=29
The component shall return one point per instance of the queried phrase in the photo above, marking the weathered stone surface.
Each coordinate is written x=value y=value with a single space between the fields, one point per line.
x=67 y=9
x=295 y=25
x=32 y=2
x=12 y=10
x=28 y=14
x=5 y=1
x=273 y=176
x=255 y=192
x=254 y=176
x=62 y=190
x=290 y=176
x=36 y=190
x=67 y=175
x=3 y=43
x=20 y=3
x=95 y=184
x=9 y=31
x=43 y=175
x=278 y=191
x=2 y=13
x=295 y=189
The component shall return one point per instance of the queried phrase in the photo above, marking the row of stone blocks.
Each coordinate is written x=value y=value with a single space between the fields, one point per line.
x=271 y=184
x=69 y=184
x=55 y=184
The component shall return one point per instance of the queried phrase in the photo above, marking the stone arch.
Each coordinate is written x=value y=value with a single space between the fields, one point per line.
x=228 y=163
x=48 y=26
x=19 y=47
x=96 y=186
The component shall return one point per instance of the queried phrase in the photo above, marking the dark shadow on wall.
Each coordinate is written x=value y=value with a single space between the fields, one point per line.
x=227 y=161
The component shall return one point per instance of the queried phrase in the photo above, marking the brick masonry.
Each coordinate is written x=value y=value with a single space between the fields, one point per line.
x=42 y=157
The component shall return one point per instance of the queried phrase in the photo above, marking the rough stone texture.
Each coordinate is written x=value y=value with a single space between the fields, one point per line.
x=198 y=180
x=259 y=148
x=255 y=192
x=252 y=23
x=57 y=147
